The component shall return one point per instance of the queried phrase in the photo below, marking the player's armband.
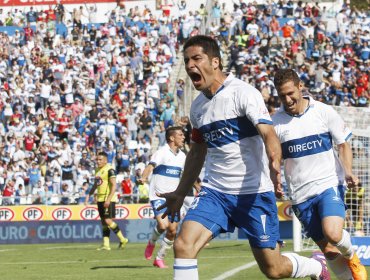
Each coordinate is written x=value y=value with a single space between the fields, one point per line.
x=197 y=136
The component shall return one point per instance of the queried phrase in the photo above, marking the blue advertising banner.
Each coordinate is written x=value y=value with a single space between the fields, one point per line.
x=37 y=232
x=362 y=246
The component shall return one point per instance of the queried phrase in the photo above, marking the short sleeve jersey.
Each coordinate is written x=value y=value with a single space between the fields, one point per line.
x=236 y=161
x=167 y=171
x=310 y=163
x=102 y=177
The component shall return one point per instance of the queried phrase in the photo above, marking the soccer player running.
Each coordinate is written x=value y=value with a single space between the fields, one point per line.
x=105 y=183
x=166 y=165
x=233 y=134
x=307 y=130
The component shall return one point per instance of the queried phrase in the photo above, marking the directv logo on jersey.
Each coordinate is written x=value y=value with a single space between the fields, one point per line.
x=217 y=133
x=173 y=171
x=305 y=146
x=168 y=171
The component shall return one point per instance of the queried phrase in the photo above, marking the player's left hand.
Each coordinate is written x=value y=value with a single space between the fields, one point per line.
x=275 y=175
x=173 y=204
x=106 y=204
x=352 y=181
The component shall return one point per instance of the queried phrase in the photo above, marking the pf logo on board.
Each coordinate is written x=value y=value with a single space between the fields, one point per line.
x=89 y=213
x=61 y=214
x=6 y=214
x=33 y=214
x=146 y=212
x=122 y=212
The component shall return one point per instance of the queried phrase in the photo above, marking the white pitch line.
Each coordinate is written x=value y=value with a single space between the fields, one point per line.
x=95 y=261
x=6 y=250
x=234 y=271
x=66 y=247
x=63 y=262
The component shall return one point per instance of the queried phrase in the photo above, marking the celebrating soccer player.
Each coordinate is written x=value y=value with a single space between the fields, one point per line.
x=233 y=134
x=315 y=175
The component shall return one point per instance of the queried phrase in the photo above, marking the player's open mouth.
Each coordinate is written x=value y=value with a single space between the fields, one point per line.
x=195 y=77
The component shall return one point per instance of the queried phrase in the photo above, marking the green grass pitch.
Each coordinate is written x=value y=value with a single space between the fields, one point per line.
x=82 y=261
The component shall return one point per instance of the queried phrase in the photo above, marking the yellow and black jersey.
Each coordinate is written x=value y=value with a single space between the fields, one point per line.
x=102 y=177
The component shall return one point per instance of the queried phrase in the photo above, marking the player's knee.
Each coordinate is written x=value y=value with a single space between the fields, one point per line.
x=333 y=235
x=271 y=271
x=162 y=227
x=171 y=234
x=277 y=268
x=183 y=249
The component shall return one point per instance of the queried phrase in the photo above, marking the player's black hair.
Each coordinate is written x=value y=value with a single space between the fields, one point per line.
x=208 y=44
x=171 y=131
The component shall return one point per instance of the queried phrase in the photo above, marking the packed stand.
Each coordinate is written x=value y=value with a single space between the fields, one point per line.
x=333 y=63
x=71 y=87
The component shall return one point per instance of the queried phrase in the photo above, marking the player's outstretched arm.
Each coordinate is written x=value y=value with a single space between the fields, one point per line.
x=345 y=157
x=193 y=165
x=273 y=150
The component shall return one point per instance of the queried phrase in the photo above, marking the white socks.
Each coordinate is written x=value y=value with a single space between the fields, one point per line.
x=340 y=268
x=165 y=246
x=155 y=235
x=303 y=266
x=345 y=245
x=185 y=269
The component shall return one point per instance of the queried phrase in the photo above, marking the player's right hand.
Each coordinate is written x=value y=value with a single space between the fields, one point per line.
x=173 y=204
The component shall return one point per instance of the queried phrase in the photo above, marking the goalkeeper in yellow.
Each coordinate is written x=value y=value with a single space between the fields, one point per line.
x=105 y=183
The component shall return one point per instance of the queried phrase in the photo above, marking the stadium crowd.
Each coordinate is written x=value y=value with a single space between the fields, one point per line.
x=64 y=96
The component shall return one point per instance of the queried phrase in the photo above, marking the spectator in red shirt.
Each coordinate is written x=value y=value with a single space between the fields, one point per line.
x=347 y=49
x=51 y=113
x=364 y=79
x=28 y=32
x=126 y=187
x=287 y=31
x=122 y=116
x=8 y=192
x=29 y=141
x=77 y=108
x=307 y=11
x=63 y=124
x=50 y=14
x=359 y=88
x=16 y=117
